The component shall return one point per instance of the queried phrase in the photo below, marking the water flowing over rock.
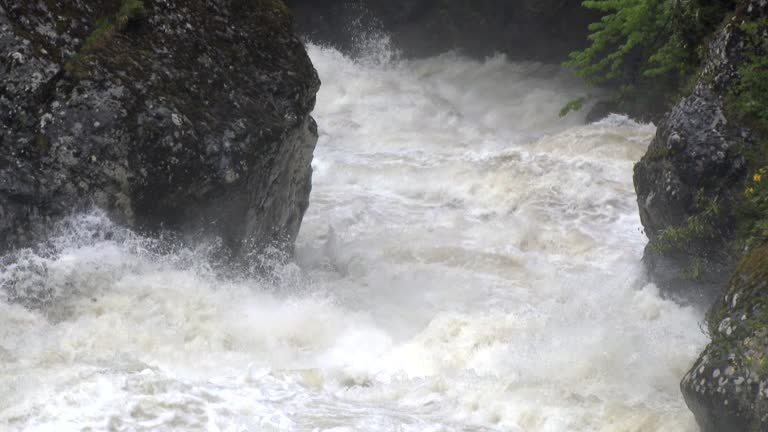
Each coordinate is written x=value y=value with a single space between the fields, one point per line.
x=530 y=29
x=187 y=116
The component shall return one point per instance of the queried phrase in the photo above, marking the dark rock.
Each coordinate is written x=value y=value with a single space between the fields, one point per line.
x=727 y=387
x=190 y=116
x=692 y=157
x=545 y=30
x=695 y=163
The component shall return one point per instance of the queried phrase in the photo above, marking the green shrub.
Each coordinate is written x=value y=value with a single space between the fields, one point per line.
x=747 y=103
x=647 y=46
x=747 y=100
x=700 y=227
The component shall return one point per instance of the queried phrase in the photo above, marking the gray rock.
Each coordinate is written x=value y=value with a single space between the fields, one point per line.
x=186 y=116
x=727 y=387
x=696 y=157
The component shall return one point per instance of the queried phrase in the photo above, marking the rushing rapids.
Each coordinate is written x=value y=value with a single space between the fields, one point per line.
x=469 y=262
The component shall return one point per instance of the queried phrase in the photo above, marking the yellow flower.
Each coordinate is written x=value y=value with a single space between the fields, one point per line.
x=750 y=190
x=757 y=177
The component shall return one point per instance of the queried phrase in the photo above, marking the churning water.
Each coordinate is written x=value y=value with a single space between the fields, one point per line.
x=469 y=262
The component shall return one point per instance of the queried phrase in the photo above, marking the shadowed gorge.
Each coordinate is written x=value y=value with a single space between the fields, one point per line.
x=526 y=29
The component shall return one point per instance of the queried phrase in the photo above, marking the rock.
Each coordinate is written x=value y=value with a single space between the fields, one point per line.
x=688 y=179
x=690 y=165
x=186 y=116
x=727 y=387
x=687 y=185
x=545 y=30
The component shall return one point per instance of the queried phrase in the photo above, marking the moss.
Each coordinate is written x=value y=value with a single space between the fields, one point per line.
x=700 y=227
x=130 y=10
x=696 y=270
x=747 y=99
x=657 y=153
x=744 y=302
x=105 y=29
x=103 y=32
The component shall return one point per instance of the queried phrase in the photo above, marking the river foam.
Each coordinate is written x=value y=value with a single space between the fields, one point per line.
x=469 y=262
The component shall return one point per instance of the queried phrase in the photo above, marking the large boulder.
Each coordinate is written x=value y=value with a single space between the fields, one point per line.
x=689 y=185
x=186 y=116
x=528 y=29
x=727 y=387
x=691 y=174
x=685 y=184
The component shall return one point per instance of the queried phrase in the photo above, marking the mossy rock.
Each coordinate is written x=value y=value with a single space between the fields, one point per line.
x=727 y=388
x=182 y=116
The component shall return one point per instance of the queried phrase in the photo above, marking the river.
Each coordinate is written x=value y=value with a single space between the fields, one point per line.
x=469 y=262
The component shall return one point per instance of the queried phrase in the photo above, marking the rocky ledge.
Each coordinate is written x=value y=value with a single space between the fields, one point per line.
x=690 y=184
x=693 y=172
x=727 y=387
x=187 y=116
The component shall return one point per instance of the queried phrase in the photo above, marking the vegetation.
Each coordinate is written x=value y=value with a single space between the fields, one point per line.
x=129 y=10
x=698 y=228
x=745 y=335
x=752 y=211
x=648 y=49
x=104 y=30
x=747 y=103
x=573 y=105
x=657 y=153
x=748 y=98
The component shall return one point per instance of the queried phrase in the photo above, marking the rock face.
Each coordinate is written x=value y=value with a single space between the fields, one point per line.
x=183 y=115
x=687 y=181
x=727 y=387
x=687 y=186
x=529 y=29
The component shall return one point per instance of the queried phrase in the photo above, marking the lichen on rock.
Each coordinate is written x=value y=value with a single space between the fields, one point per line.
x=690 y=186
x=727 y=387
x=699 y=155
x=184 y=116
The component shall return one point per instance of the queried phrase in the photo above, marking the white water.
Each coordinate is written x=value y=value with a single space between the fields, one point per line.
x=469 y=262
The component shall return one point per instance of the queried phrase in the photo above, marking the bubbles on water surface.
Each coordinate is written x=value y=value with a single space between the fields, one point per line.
x=468 y=263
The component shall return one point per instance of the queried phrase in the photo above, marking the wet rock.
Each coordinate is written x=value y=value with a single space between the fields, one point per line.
x=688 y=179
x=727 y=387
x=183 y=116
x=687 y=184
x=691 y=164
